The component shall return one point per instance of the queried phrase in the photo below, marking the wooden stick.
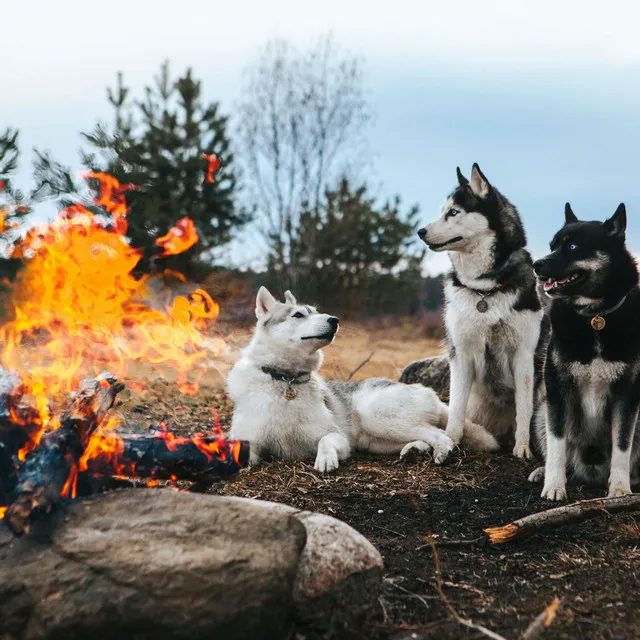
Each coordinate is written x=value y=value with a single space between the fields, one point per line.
x=542 y=621
x=51 y=468
x=353 y=373
x=199 y=459
x=550 y=518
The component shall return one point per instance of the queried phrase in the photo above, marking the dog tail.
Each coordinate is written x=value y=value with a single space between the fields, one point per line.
x=477 y=438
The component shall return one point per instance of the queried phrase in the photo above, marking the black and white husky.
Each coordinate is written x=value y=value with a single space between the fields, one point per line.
x=493 y=312
x=285 y=409
x=585 y=422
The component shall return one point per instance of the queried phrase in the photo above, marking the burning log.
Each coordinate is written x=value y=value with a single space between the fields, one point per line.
x=50 y=471
x=164 y=456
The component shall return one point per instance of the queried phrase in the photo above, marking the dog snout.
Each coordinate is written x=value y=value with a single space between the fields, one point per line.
x=334 y=322
x=422 y=233
x=539 y=266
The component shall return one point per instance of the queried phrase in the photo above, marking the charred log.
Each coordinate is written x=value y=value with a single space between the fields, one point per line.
x=50 y=470
x=199 y=459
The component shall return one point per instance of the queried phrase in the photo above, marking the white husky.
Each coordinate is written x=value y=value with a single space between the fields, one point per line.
x=284 y=408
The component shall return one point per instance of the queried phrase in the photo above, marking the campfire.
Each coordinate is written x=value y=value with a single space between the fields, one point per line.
x=80 y=319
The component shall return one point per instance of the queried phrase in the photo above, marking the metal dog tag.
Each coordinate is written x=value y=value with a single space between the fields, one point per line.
x=598 y=323
x=290 y=393
x=482 y=306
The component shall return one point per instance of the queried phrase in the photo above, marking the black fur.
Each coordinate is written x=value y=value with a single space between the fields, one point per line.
x=607 y=275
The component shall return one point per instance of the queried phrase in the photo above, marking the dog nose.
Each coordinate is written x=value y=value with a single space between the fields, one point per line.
x=422 y=233
x=333 y=321
x=538 y=264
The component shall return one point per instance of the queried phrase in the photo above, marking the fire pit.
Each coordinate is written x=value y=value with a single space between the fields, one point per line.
x=79 y=309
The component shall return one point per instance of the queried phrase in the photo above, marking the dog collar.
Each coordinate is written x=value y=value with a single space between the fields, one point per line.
x=482 y=305
x=598 y=323
x=289 y=378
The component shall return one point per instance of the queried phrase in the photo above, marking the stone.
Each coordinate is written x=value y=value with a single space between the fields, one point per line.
x=431 y=372
x=340 y=571
x=152 y=564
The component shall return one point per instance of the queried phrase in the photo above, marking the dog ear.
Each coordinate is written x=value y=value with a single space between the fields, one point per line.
x=616 y=225
x=462 y=181
x=569 y=216
x=289 y=298
x=479 y=184
x=264 y=303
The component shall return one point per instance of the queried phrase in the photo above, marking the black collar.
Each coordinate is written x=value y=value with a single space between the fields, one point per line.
x=290 y=377
x=603 y=312
x=483 y=293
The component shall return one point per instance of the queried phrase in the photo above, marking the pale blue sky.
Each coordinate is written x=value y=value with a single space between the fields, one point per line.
x=545 y=96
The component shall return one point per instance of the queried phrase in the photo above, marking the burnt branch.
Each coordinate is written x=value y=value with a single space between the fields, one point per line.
x=49 y=469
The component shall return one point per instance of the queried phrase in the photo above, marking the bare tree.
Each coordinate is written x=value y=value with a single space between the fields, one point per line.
x=301 y=121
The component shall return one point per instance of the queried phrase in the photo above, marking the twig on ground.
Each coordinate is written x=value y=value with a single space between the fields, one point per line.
x=439 y=583
x=550 y=518
x=471 y=542
x=542 y=622
x=353 y=373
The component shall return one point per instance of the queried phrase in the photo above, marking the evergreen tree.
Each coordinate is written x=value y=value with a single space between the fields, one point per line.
x=354 y=256
x=13 y=206
x=159 y=144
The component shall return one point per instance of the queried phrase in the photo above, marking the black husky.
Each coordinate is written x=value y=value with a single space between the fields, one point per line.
x=587 y=409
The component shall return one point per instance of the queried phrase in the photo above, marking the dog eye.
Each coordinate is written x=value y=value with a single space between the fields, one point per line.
x=298 y=314
x=573 y=246
x=453 y=212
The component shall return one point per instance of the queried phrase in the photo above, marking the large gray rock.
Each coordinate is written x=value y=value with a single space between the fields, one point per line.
x=165 y=564
x=431 y=372
x=153 y=564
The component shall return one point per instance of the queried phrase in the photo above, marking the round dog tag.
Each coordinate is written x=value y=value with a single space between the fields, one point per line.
x=598 y=323
x=482 y=306
x=290 y=393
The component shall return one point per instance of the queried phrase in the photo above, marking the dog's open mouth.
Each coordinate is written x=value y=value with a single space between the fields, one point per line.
x=556 y=284
x=329 y=335
x=434 y=246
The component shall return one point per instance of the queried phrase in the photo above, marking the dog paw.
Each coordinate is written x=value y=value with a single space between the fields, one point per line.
x=410 y=450
x=441 y=451
x=326 y=461
x=522 y=450
x=554 y=492
x=537 y=475
x=619 y=490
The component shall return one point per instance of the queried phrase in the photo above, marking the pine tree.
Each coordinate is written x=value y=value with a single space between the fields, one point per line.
x=357 y=256
x=13 y=206
x=159 y=144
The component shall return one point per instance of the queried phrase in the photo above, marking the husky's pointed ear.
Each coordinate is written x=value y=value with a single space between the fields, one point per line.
x=569 y=216
x=289 y=298
x=462 y=181
x=616 y=225
x=264 y=303
x=479 y=184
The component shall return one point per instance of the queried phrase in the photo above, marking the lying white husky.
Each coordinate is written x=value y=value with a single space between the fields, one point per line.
x=285 y=409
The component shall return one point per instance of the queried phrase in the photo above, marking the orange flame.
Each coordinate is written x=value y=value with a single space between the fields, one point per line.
x=69 y=490
x=179 y=238
x=79 y=310
x=3 y=510
x=213 y=164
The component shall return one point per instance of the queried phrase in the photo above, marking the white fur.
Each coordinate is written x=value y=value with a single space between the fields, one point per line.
x=470 y=331
x=379 y=419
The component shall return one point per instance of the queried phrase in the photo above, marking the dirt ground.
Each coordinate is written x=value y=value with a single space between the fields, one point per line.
x=592 y=566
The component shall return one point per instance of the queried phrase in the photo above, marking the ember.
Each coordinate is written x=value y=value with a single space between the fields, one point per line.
x=78 y=310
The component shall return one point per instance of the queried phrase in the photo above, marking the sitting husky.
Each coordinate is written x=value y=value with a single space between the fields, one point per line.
x=493 y=312
x=284 y=408
x=586 y=419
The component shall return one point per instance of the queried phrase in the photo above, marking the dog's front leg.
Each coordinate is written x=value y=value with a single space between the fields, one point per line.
x=624 y=419
x=555 y=471
x=331 y=448
x=460 y=389
x=523 y=382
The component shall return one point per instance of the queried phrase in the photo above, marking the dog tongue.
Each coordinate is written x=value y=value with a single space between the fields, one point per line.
x=550 y=284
